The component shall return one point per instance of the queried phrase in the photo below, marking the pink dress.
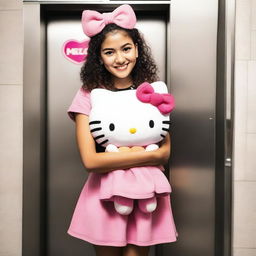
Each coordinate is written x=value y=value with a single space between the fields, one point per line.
x=96 y=221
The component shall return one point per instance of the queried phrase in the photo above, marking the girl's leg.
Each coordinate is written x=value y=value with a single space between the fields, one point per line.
x=134 y=250
x=108 y=250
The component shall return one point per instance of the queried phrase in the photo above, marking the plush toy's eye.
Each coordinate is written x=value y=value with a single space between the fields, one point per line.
x=151 y=123
x=111 y=127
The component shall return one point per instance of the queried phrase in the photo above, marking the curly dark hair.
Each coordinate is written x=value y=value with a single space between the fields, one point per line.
x=93 y=74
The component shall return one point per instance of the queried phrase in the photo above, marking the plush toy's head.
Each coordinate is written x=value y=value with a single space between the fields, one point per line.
x=131 y=117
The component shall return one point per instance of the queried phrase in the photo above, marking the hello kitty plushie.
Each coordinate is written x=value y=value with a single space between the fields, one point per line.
x=132 y=118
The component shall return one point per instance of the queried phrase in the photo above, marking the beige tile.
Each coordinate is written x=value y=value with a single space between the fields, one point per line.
x=241 y=95
x=240 y=126
x=251 y=120
x=11 y=225
x=11 y=47
x=244 y=214
x=244 y=252
x=10 y=4
x=240 y=156
x=250 y=173
x=253 y=45
x=253 y=12
x=11 y=125
x=10 y=169
x=243 y=29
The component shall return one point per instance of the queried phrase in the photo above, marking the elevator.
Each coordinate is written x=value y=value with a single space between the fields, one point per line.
x=192 y=44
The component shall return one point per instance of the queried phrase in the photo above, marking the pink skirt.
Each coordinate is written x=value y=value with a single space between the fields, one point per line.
x=96 y=221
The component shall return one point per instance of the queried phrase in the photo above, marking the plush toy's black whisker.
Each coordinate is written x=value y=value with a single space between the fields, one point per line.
x=103 y=142
x=96 y=129
x=162 y=135
x=164 y=129
x=166 y=122
x=100 y=136
x=95 y=122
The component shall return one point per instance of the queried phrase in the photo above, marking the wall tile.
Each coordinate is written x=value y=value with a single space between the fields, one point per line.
x=244 y=214
x=10 y=4
x=240 y=151
x=10 y=169
x=244 y=252
x=253 y=45
x=253 y=12
x=250 y=158
x=243 y=22
x=251 y=116
x=240 y=127
x=11 y=47
x=241 y=97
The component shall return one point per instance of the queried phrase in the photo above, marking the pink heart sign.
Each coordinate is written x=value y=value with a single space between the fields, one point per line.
x=75 y=51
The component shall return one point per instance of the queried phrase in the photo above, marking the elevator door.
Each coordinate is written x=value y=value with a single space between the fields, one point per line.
x=65 y=172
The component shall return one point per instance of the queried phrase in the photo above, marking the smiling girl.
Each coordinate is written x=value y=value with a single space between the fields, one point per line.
x=118 y=59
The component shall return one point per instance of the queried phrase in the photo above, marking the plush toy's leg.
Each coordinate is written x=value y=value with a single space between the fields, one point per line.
x=123 y=205
x=147 y=205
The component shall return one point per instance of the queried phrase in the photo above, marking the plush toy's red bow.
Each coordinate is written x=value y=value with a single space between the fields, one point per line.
x=164 y=102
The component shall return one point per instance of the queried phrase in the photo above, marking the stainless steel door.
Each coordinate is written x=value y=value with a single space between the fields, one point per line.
x=65 y=173
x=193 y=82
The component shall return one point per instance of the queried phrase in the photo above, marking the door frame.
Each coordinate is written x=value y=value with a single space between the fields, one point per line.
x=35 y=113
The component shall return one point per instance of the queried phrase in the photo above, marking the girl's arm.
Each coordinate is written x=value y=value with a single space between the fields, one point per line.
x=109 y=161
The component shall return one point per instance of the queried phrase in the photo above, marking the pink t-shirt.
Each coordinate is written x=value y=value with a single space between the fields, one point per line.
x=81 y=104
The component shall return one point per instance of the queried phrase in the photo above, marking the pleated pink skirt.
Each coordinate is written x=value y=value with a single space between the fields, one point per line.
x=96 y=221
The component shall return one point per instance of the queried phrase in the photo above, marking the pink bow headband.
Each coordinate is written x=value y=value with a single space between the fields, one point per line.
x=93 y=22
x=164 y=102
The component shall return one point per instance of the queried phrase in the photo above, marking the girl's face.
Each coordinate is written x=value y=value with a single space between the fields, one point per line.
x=118 y=54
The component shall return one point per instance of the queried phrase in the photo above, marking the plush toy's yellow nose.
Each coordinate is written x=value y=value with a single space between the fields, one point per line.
x=132 y=130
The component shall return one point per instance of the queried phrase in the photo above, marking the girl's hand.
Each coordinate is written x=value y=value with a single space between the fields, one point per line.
x=163 y=153
x=124 y=149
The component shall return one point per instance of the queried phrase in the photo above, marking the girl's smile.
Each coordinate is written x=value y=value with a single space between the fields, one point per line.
x=123 y=67
x=118 y=54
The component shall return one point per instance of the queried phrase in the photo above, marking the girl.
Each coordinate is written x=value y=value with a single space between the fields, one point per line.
x=118 y=59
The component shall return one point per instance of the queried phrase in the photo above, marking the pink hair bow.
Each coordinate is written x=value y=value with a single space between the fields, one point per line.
x=164 y=102
x=93 y=22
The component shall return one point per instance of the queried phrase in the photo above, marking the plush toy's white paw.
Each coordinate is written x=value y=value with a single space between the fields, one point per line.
x=152 y=147
x=147 y=205
x=111 y=148
x=151 y=207
x=123 y=209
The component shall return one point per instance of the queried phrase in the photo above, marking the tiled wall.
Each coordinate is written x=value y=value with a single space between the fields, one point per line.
x=11 y=47
x=244 y=243
x=11 y=50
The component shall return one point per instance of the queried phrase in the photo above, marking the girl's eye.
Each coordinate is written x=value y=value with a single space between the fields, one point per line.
x=151 y=123
x=111 y=127
x=126 y=49
x=108 y=53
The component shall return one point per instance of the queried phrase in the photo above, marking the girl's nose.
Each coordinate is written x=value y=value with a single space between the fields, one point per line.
x=120 y=58
x=133 y=130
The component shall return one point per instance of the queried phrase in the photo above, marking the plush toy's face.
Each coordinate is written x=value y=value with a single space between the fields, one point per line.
x=121 y=119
